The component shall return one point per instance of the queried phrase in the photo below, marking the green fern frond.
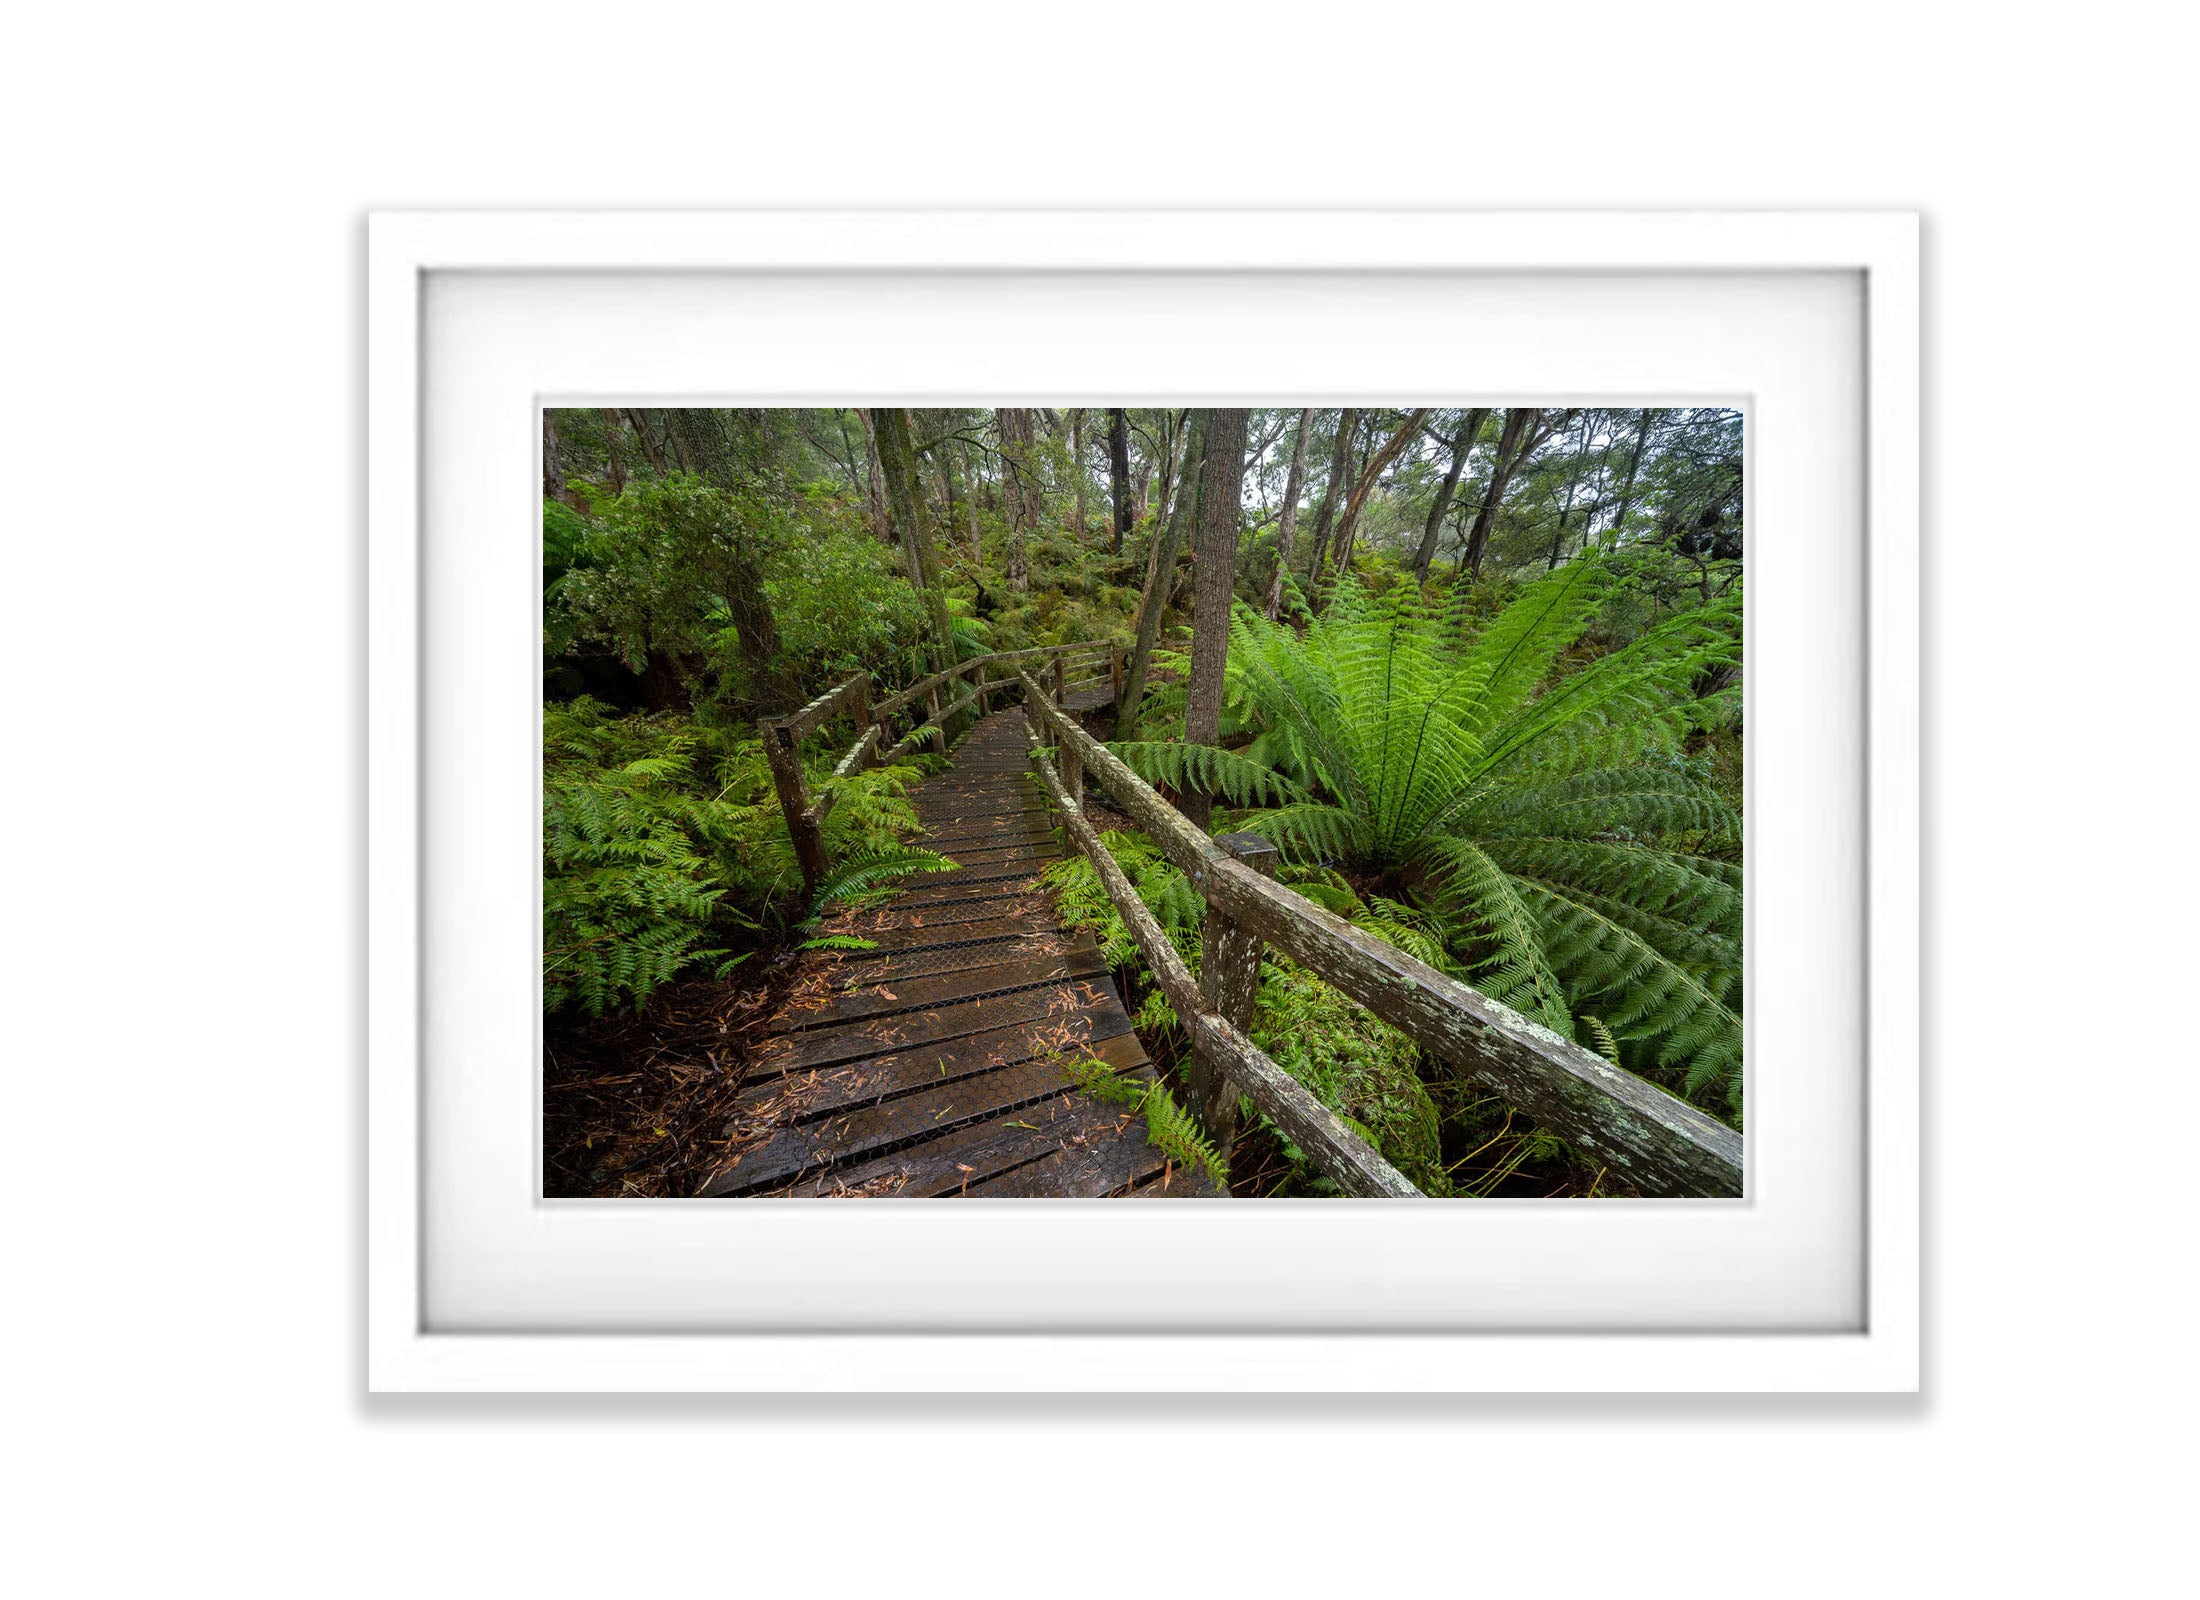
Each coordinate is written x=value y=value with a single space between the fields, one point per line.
x=1169 y=1128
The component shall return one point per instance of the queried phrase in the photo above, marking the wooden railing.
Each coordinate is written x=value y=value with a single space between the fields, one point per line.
x=1655 y=1142
x=783 y=736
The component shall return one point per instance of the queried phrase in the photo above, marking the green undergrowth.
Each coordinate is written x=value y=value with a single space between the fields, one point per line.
x=665 y=852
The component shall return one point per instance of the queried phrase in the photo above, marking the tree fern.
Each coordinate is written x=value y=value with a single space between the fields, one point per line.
x=1545 y=809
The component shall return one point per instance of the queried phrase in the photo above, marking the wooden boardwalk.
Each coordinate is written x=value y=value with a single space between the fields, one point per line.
x=933 y=1064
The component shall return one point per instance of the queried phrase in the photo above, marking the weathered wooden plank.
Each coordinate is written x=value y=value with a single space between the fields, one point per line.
x=911 y=940
x=1658 y=1142
x=949 y=1166
x=897 y=915
x=1105 y=1155
x=984 y=884
x=1006 y=939
x=854 y=1041
x=906 y=1119
x=1036 y=852
x=1022 y=831
x=876 y=997
x=827 y=1091
x=964 y=808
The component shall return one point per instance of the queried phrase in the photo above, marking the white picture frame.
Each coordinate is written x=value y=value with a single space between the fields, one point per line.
x=837 y=1340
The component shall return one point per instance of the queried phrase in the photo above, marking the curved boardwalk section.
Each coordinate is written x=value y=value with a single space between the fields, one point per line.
x=933 y=1065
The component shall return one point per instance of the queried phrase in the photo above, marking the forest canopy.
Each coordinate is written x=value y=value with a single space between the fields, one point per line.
x=1475 y=671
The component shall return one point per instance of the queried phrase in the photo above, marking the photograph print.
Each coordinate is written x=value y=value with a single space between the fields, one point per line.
x=1143 y=802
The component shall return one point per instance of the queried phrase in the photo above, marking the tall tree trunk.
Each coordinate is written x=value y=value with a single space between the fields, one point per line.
x=1119 y=472
x=553 y=464
x=1020 y=488
x=1325 y=515
x=1077 y=454
x=1512 y=447
x=1289 y=525
x=875 y=481
x=652 y=451
x=723 y=447
x=1214 y=569
x=1377 y=464
x=905 y=495
x=1161 y=577
x=1462 y=446
x=1634 y=465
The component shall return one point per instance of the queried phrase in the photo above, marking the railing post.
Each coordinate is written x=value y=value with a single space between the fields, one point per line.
x=1115 y=674
x=794 y=801
x=1229 y=979
x=1061 y=681
x=977 y=686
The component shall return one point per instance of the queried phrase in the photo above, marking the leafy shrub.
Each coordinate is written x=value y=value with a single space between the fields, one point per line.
x=657 y=827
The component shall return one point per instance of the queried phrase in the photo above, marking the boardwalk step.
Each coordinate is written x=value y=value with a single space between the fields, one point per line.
x=943 y=934
x=860 y=967
x=854 y=1041
x=808 y=1096
x=910 y=1118
x=878 y=998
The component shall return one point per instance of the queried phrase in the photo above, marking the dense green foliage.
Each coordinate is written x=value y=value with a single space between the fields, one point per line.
x=1552 y=818
x=664 y=849
x=1496 y=720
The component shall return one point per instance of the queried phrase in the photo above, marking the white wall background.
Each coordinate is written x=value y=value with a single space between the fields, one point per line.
x=181 y=394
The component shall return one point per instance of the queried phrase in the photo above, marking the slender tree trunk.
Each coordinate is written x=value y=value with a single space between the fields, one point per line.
x=1325 y=515
x=970 y=508
x=1634 y=465
x=1214 y=571
x=1289 y=525
x=1020 y=488
x=905 y=494
x=947 y=491
x=1077 y=454
x=1573 y=487
x=1158 y=583
x=1377 y=464
x=1172 y=436
x=1119 y=472
x=1512 y=446
x=1462 y=446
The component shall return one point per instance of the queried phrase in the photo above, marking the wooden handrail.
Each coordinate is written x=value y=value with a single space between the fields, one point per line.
x=894 y=702
x=1657 y=1142
x=782 y=736
x=1341 y=1155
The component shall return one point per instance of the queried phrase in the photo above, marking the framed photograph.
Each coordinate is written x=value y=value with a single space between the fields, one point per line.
x=1390 y=735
